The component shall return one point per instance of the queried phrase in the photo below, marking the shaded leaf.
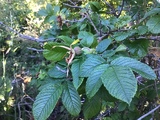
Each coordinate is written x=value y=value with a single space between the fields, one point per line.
x=57 y=72
x=95 y=6
x=108 y=53
x=120 y=82
x=75 y=69
x=122 y=106
x=119 y=36
x=138 y=48
x=154 y=24
x=104 y=95
x=87 y=38
x=121 y=48
x=71 y=99
x=103 y=45
x=92 y=107
x=46 y=101
x=141 y=68
x=154 y=11
x=142 y=30
x=94 y=81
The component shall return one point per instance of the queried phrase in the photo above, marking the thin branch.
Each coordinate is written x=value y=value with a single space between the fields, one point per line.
x=89 y=18
x=121 y=9
x=72 y=6
x=75 y=21
x=155 y=38
x=72 y=2
x=111 y=7
x=34 y=49
x=27 y=37
x=150 y=112
x=101 y=38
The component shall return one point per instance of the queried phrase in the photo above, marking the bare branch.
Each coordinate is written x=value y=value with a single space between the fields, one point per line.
x=27 y=37
x=72 y=6
x=113 y=11
x=155 y=38
x=150 y=112
x=89 y=18
x=121 y=9
x=34 y=49
x=75 y=21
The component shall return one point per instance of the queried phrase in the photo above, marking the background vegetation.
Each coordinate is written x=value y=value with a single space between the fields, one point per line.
x=79 y=59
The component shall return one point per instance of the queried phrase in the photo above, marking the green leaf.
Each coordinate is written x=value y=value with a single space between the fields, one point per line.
x=120 y=82
x=42 y=12
x=121 y=48
x=152 y=12
x=89 y=65
x=138 y=48
x=52 y=19
x=92 y=107
x=66 y=39
x=154 y=24
x=71 y=99
x=123 y=20
x=94 y=81
x=142 y=30
x=49 y=8
x=108 y=53
x=104 y=95
x=141 y=68
x=87 y=38
x=56 y=10
x=122 y=106
x=95 y=6
x=83 y=26
x=46 y=101
x=119 y=36
x=57 y=72
x=75 y=69
x=103 y=45
x=53 y=51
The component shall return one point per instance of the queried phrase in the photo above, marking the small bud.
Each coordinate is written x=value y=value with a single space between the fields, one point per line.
x=77 y=50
